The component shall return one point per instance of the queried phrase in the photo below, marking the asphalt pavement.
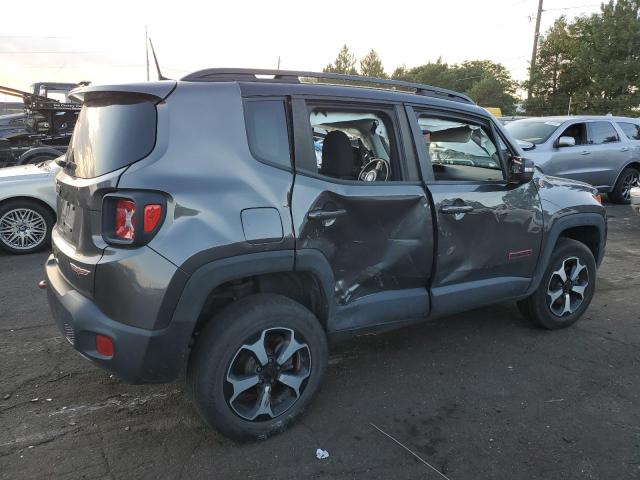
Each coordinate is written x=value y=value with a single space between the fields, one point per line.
x=481 y=395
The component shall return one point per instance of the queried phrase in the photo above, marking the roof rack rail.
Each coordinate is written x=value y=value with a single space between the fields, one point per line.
x=292 y=76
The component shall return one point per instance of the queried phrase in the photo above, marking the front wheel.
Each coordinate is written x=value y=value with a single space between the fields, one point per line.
x=566 y=289
x=256 y=366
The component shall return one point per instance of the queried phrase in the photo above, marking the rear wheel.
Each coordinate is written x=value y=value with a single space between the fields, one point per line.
x=25 y=226
x=256 y=366
x=566 y=289
x=621 y=192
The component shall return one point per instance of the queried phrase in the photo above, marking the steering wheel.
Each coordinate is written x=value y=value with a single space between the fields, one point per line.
x=377 y=169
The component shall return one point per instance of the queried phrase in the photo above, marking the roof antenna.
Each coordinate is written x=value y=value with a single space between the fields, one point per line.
x=155 y=59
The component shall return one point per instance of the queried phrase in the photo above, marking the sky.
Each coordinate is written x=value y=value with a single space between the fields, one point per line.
x=103 y=42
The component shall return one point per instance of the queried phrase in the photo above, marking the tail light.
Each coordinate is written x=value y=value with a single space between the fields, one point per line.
x=152 y=217
x=132 y=219
x=125 y=219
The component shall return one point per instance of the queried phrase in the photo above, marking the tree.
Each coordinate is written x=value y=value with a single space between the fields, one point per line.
x=486 y=82
x=371 y=65
x=594 y=60
x=345 y=63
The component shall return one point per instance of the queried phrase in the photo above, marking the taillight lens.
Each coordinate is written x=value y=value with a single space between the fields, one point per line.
x=125 y=219
x=132 y=218
x=152 y=217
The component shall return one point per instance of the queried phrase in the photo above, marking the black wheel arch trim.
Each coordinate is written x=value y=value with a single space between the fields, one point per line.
x=197 y=287
x=37 y=151
x=633 y=164
x=551 y=238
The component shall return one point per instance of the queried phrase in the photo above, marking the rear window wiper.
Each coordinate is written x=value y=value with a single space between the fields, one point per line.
x=66 y=164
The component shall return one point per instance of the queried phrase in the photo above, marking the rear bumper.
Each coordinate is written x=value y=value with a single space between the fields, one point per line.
x=140 y=355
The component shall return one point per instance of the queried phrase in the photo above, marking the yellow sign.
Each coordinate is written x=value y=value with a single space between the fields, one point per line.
x=495 y=111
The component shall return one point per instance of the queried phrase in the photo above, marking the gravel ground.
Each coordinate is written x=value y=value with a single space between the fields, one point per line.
x=478 y=395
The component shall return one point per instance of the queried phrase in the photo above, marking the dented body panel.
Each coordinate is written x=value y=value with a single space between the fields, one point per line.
x=383 y=241
x=492 y=250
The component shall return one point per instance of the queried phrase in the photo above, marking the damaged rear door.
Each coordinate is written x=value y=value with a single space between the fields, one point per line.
x=359 y=211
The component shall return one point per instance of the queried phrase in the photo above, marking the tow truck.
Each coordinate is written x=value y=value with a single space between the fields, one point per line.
x=43 y=129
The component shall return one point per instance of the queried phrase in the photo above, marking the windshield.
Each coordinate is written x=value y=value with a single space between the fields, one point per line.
x=112 y=131
x=534 y=131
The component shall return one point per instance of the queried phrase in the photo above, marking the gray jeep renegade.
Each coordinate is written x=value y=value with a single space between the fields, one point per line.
x=221 y=227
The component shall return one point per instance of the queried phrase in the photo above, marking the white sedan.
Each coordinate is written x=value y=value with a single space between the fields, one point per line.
x=27 y=207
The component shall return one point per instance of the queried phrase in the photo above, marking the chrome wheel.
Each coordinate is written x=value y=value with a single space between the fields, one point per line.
x=628 y=183
x=567 y=287
x=22 y=229
x=268 y=374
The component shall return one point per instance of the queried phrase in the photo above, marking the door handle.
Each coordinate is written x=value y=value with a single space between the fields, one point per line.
x=325 y=214
x=624 y=149
x=585 y=152
x=454 y=209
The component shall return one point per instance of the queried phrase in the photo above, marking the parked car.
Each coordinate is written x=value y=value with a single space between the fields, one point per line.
x=509 y=119
x=197 y=243
x=27 y=207
x=635 y=199
x=603 y=151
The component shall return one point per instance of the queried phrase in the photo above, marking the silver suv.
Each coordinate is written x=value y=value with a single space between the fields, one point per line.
x=601 y=150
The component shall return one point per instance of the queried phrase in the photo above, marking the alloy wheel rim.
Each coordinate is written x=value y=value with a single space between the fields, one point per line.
x=628 y=183
x=22 y=228
x=268 y=374
x=567 y=286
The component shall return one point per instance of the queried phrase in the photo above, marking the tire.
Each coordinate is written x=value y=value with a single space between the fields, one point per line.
x=553 y=315
x=221 y=353
x=621 y=191
x=30 y=215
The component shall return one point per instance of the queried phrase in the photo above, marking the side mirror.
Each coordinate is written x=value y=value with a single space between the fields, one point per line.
x=524 y=145
x=566 y=142
x=520 y=170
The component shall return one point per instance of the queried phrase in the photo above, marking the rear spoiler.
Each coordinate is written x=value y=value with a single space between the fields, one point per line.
x=159 y=90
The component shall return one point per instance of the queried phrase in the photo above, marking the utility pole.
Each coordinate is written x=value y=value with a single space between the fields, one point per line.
x=146 y=49
x=278 y=62
x=536 y=36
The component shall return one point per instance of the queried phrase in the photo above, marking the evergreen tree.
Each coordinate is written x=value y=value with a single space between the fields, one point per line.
x=345 y=63
x=371 y=65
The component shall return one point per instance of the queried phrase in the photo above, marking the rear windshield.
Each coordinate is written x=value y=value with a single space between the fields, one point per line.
x=534 y=131
x=112 y=132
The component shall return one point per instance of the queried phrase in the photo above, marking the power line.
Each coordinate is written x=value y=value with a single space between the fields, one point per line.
x=27 y=52
x=30 y=36
x=571 y=8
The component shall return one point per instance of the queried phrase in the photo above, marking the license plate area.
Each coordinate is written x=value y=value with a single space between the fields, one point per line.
x=67 y=216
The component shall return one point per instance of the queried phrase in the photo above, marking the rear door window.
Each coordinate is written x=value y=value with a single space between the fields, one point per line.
x=631 y=130
x=112 y=131
x=354 y=144
x=267 y=131
x=601 y=133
